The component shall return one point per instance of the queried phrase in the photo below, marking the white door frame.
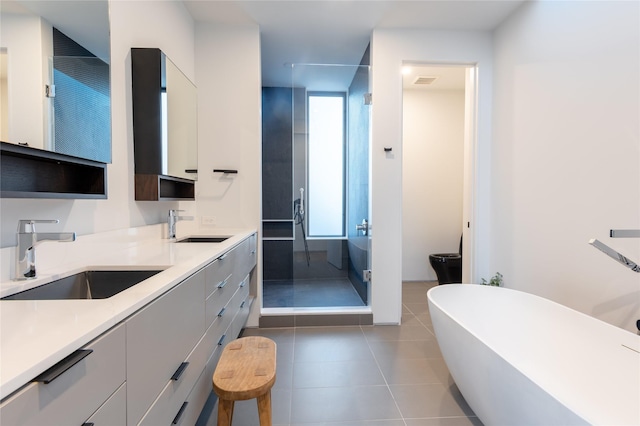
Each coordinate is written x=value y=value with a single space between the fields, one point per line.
x=469 y=274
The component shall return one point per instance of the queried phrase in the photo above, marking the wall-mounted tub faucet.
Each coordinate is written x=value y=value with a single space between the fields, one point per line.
x=173 y=219
x=618 y=233
x=28 y=239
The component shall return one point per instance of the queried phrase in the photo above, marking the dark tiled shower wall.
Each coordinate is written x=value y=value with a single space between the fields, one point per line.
x=277 y=155
x=277 y=260
x=277 y=180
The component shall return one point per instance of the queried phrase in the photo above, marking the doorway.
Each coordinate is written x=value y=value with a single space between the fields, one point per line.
x=438 y=136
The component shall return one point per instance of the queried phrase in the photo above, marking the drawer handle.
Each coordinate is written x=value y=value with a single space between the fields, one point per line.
x=223 y=256
x=87 y=424
x=221 y=339
x=51 y=374
x=243 y=283
x=242 y=304
x=225 y=281
x=252 y=253
x=179 y=371
x=177 y=418
x=221 y=313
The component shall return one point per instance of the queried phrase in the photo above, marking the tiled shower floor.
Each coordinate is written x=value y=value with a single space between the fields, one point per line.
x=362 y=375
x=330 y=292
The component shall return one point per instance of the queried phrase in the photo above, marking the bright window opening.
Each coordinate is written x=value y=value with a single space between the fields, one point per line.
x=326 y=164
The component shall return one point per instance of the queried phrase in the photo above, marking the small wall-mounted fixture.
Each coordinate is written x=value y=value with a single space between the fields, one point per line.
x=624 y=233
x=50 y=90
x=225 y=171
x=388 y=149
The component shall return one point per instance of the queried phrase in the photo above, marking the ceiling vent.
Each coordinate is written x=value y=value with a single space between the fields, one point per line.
x=424 y=80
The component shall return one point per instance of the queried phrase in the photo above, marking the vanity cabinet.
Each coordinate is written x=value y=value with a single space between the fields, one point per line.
x=155 y=367
x=222 y=308
x=159 y=340
x=76 y=394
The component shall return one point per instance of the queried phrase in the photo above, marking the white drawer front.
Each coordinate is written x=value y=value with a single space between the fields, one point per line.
x=234 y=306
x=244 y=287
x=241 y=317
x=246 y=256
x=219 y=300
x=218 y=271
x=77 y=393
x=213 y=335
x=113 y=412
x=168 y=404
x=196 y=400
x=159 y=339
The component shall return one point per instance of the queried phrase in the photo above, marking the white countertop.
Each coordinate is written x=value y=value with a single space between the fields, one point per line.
x=34 y=335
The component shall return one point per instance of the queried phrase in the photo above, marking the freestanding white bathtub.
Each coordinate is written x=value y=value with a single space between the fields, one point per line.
x=520 y=359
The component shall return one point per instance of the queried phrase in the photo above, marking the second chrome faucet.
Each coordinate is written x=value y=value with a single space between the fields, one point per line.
x=173 y=219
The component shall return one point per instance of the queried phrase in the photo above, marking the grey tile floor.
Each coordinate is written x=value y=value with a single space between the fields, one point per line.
x=362 y=375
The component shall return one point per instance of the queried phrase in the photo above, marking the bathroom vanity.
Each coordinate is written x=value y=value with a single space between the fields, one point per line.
x=145 y=355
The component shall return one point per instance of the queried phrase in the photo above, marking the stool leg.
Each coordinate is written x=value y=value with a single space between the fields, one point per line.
x=264 y=408
x=225 y=412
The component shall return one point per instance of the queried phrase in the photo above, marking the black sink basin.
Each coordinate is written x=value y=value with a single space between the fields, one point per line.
x=203 y=240
x=85 y=285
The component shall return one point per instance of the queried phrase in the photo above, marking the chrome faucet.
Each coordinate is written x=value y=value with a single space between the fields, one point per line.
x=28 y=239
x=173 y=219
x=617 y=256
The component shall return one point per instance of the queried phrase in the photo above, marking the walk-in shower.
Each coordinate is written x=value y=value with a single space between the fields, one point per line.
x=315 y=188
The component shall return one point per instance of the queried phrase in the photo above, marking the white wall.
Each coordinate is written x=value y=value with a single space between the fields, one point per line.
x=432 y=171
x=133 y=24
x=229 y=123
x=566 y=154
x=389 y=49
x=230 y=128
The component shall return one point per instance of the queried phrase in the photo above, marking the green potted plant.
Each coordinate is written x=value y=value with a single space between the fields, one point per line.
x=496 y=280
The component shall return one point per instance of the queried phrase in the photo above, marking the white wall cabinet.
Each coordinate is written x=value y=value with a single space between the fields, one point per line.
x=156 y=366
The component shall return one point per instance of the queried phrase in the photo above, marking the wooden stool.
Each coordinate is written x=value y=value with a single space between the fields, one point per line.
x=246 y=370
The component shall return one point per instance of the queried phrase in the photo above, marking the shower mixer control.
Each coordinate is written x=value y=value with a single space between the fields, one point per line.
x=364 y=227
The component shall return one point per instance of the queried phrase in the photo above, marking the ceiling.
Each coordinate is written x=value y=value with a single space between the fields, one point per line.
x=86 y=22
x=338 y=31
x=291 y=31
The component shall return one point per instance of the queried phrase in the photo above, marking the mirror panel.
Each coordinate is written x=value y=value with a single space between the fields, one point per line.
x=181 y=157
x=164 y=117
x=38 y=116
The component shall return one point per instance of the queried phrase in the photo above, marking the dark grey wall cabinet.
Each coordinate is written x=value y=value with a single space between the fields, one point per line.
x=36 y=173
x=165 y=161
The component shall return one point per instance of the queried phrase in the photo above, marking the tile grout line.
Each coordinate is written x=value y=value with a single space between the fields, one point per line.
x=375 y=358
